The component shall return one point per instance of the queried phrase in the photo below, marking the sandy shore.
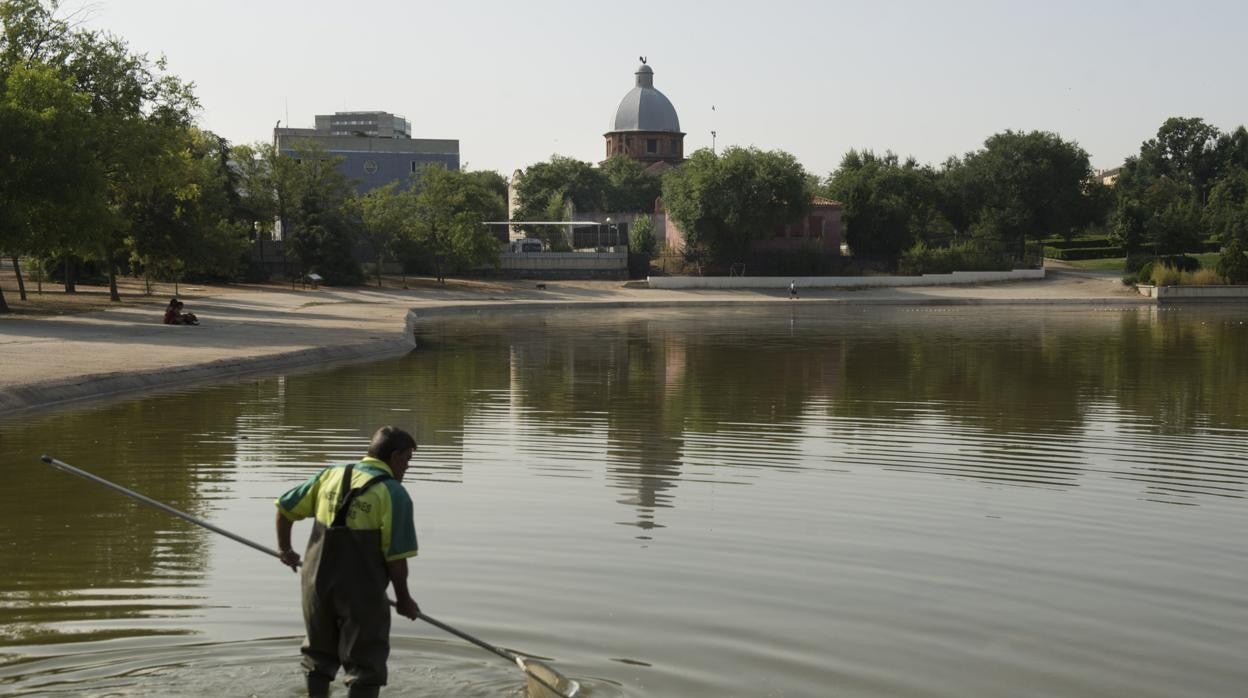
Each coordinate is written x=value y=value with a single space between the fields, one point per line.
x=246 y=329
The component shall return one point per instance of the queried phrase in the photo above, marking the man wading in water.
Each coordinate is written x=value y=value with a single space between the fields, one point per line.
x=361 y=538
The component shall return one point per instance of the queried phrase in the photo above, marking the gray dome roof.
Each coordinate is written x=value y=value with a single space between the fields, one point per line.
x=645 y=108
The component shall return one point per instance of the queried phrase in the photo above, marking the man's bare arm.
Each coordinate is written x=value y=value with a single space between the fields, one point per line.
x=403 y=601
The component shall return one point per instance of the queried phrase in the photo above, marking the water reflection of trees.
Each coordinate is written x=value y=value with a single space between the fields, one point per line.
x=673 y=397
x=1017 y=389
x=328 y=416
x=75 y=551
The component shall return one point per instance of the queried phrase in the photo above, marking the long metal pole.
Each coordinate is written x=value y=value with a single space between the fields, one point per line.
x=479 y=643
x=66 y=467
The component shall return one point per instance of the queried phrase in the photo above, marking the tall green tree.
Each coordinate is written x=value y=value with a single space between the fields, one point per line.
x=723 y=203
x=572 y=181
x=312 y=199
x=1160 y=216
x=211 y=226
x=447 y=219
x=959 y=195
x=383 y=213
x=46 y=182
x=889 y=204
x=47 y=188
x=489 y=179
x=630 y=188
x=1226 y=214
x=1186 y=151
x=141 y=116
x=1033 y=185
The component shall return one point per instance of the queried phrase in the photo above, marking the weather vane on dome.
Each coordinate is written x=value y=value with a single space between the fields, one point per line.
x=643 y=59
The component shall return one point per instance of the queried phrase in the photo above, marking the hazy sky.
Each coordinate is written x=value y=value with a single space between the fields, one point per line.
x=518 y=81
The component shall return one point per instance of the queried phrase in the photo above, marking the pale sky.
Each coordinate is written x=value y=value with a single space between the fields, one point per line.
x=519 y=81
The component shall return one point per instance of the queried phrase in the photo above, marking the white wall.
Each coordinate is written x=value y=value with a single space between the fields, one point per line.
x=782 y=282
x=563 y=261
x=1162 y=293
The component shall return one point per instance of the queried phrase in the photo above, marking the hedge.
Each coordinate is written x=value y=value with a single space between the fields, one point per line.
x=1108 y=252
x=1061 y=244
x=1084 y=253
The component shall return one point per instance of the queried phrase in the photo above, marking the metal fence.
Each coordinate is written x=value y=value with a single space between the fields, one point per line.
x=595 y=236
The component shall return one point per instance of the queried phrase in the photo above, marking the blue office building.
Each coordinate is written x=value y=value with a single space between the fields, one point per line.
x=375 y=147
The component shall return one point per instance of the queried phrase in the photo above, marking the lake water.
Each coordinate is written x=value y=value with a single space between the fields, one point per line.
x=792 y=500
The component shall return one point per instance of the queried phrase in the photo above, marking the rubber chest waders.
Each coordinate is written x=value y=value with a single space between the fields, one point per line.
x=344 y=595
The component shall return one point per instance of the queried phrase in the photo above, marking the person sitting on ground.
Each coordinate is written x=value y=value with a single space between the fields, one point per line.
x=172 y=315
x=186 y=318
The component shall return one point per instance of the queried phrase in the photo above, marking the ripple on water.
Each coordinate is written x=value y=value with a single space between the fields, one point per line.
x=267 y=667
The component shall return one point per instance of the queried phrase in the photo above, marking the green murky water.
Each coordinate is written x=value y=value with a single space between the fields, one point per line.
x=786 y=501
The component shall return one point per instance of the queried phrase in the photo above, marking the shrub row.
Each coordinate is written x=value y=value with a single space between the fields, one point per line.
x=1077 y=243
x=922 y=259
x=1083 y=252
x=1232 y=268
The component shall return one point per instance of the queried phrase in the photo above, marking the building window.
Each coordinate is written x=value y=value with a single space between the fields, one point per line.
x=652 y=146
x=413 y=165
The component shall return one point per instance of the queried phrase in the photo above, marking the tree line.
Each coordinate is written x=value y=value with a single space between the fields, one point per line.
x=101 y=164
x=1185 y=187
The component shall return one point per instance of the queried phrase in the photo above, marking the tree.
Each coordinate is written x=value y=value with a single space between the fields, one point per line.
x=630 y=188
x=312 y=197
x=1176 y=229
x=447 y=220
x=140 y=118
x=489 y=179
x=1233 y=264
x=1161 y=215
x=46 y=181
x=1129 y=224
x=1033 y=184
x=641 y=239
x=46 y=186
x=1186 y=151
x=217 y=223
x=723 y=203
x=383 y=213
x=888 y=204
x=959 y=195
x=570 y=180
x=1226 y=214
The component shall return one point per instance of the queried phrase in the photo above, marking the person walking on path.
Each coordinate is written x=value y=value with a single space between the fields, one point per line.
x=793 y=290
x=362 y=534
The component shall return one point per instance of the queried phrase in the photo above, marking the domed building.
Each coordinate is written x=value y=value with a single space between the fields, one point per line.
x=646 y=127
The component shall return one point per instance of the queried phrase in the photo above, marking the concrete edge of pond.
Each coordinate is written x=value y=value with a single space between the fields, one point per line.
x=111 y=385
x=485 y=309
